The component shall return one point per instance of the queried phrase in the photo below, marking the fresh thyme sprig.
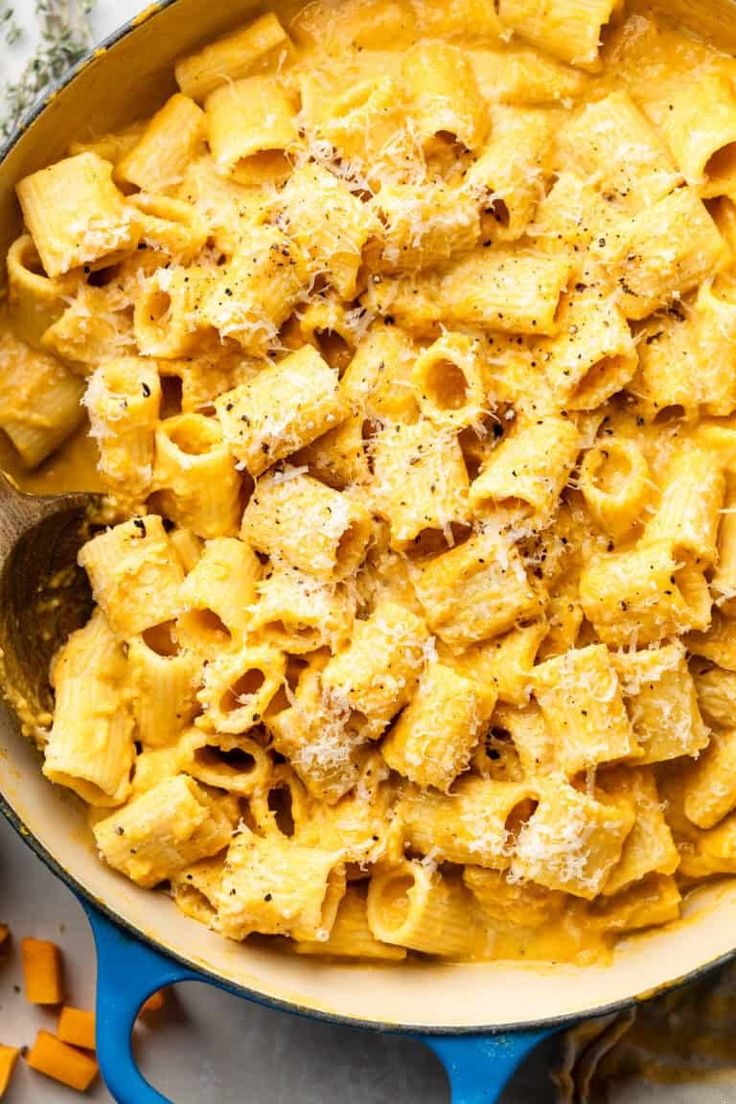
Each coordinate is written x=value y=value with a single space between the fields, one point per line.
x=64 y=37
x=9 y=29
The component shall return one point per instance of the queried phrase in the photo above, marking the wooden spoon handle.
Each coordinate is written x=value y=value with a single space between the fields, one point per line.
x=19 y=512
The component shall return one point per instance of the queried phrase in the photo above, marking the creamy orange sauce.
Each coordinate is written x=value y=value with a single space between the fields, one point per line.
x=73 y=467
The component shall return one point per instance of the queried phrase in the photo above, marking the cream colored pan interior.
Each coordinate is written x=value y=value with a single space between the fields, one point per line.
x=127 y=80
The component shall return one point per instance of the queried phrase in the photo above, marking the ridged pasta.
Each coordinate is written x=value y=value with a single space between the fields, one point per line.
x=406 y=335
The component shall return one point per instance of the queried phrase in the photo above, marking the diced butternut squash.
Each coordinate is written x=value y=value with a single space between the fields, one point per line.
x=77 y=1027
x=8 y=1058
x=62 y=1062
x=154 y=1003
x=42 y=971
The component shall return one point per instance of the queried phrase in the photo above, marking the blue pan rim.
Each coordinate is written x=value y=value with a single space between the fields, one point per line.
x=551 y=1025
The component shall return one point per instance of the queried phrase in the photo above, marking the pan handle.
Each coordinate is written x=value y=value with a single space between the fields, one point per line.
x=128 y=971
x=479 y=1066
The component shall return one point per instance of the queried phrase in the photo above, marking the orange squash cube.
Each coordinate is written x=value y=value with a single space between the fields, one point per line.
x=62 y=1062
x=8 y=1058
x=76 y=1027
x=154 y=1003
x=42 y=971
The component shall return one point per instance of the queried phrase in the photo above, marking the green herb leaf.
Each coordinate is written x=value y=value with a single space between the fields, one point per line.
x=65 y=37
x=9 y=29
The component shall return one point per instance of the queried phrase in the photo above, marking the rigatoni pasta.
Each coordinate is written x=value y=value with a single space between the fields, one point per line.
x=156 y=163
x=567 y=29
x=165 y=829
x=421 y=909
x=123 y=401
x=432 y=741
x=195 y=478
x=90 y=745
x=231 y=57
x=76 y=215
x=40 y=400
x=290 y=405
x=35 y=300
x=406 y=336
x=280 y=507
x=252 y=129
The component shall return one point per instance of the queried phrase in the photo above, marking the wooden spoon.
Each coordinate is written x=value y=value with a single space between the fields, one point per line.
x=44 y=594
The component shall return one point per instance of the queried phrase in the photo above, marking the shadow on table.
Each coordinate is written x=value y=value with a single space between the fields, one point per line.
x=209 y=1047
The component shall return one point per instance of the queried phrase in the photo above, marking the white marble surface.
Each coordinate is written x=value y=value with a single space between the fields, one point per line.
x=108 y=15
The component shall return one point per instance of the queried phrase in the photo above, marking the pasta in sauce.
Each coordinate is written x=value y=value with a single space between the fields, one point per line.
x=403 y=341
